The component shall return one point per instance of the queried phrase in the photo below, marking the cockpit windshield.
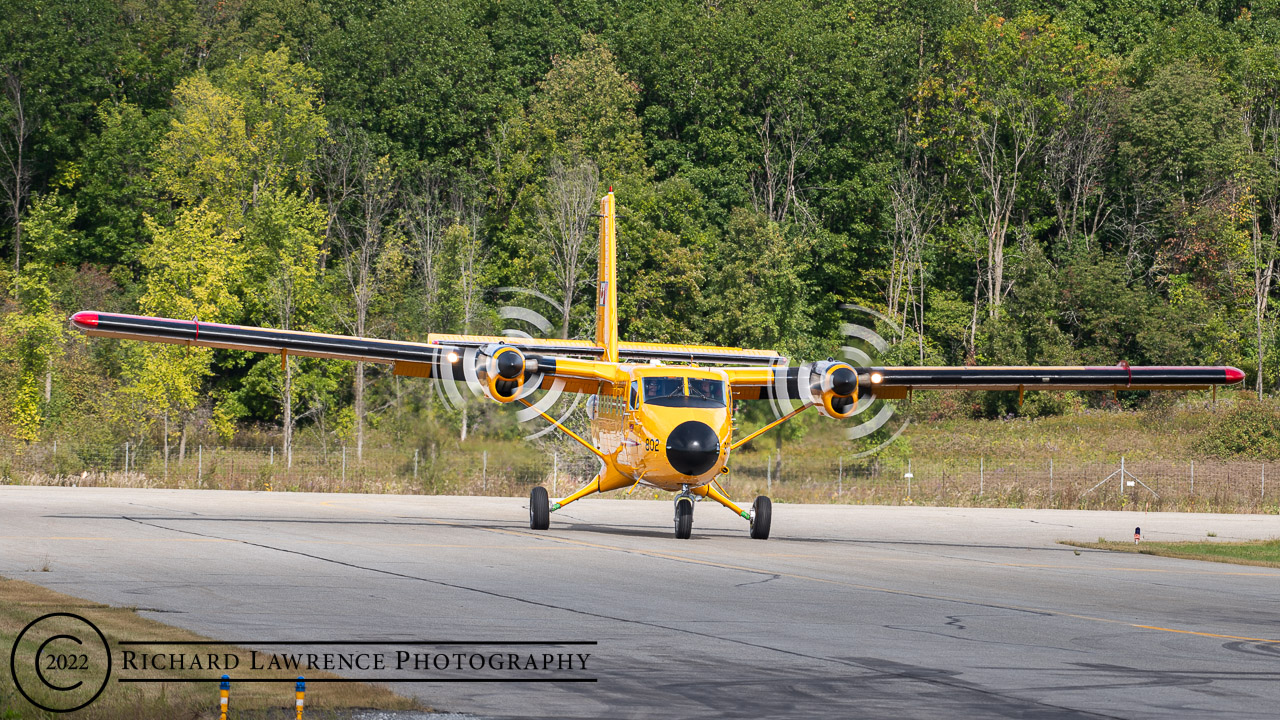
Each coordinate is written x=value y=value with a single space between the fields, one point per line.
x=684 y=392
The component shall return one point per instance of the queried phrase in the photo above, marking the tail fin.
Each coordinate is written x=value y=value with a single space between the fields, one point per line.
x=607 y=286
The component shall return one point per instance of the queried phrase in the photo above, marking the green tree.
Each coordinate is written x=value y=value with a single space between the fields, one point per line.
x=586 y=108
x=194 y=269
x=36 y=334
x=115 y=184
x=283 y=239
x=1182 y=149
x=252 y=127
x=760 y=273
x=1000 y=90
x=418 y=73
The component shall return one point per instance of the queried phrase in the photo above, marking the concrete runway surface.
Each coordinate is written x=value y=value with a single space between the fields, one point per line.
x=848 y=611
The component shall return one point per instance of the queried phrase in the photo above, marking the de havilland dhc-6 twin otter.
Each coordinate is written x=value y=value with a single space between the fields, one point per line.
x=661 y=415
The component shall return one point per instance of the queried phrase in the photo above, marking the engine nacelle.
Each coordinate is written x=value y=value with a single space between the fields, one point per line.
x=833 y=387
x=500 y=369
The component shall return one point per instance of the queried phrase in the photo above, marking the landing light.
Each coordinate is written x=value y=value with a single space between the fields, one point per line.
x=876 y=377
x=452 y=356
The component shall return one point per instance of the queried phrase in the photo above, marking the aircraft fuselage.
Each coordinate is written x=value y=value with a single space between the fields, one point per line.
x=669 y=428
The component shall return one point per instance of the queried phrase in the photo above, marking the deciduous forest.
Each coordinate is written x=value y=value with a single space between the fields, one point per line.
x=1071 y=182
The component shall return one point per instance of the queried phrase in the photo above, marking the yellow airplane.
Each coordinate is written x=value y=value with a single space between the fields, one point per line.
x=661 y=415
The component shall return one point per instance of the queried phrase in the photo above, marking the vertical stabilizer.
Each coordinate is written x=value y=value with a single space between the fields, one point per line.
x=607 y=281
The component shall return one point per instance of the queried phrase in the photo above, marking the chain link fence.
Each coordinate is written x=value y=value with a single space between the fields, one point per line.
x=1189 y=485
x=512 y=469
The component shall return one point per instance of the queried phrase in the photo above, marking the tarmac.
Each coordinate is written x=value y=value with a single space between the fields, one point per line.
x=847 y=611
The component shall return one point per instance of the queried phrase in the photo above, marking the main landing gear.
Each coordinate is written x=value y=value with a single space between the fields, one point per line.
x=759 y=516
x=539 y=509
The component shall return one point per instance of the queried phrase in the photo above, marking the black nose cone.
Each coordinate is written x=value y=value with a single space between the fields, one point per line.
x=693 y=448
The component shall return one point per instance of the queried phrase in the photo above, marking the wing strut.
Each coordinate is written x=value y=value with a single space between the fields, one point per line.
x=770 y=426
x=563 y=429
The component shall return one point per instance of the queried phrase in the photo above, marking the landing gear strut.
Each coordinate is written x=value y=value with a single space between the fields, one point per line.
x=684 y=515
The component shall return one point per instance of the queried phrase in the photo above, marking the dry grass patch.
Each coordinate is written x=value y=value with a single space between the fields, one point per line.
x=21 y=602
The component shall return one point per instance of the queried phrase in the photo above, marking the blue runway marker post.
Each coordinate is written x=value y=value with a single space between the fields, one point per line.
x=224 y=692
x=301 y=690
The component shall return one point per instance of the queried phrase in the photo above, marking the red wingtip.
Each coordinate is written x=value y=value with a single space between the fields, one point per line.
x=1234 y=375
x=85 y=319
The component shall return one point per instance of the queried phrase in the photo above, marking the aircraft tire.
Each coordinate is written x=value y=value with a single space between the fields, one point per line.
x=762 y=510
x=539 y=509
x=684 y=517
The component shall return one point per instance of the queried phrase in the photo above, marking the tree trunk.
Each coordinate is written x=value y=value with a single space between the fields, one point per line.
x=166 y=443
x=182 y=441
x=359 y=412
x=565 y=311
x=288 y=414
x=48 y=381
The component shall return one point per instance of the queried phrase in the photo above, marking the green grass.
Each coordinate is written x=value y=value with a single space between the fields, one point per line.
x=1263 y=553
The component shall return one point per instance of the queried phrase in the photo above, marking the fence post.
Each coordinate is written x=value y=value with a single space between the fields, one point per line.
x=415 y=463
x=1263 y=494
x=200 y=464
x=768 y=474
x=982 y=475
x=273 y=454
x=1050 y=482
x=484 y=471
x=840 y=485
x=344 y=464
x=555 y=469
x=1193 y=477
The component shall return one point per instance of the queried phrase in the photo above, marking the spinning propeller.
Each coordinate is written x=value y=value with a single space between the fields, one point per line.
x=481 y=369
x=824 y=384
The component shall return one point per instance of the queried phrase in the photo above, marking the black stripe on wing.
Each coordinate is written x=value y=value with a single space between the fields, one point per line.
x=239 y=337
x=1030 y=378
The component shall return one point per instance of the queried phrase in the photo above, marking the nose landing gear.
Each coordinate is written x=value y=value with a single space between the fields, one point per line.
x=684 y=514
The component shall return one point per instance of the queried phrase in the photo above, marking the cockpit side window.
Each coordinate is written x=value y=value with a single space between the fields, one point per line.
x=635 y=394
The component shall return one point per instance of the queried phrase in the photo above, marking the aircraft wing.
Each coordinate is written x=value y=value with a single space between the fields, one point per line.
x=440 y=358
x=750 y=383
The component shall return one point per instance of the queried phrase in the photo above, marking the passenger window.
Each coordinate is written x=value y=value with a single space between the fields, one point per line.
x=635 y=395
